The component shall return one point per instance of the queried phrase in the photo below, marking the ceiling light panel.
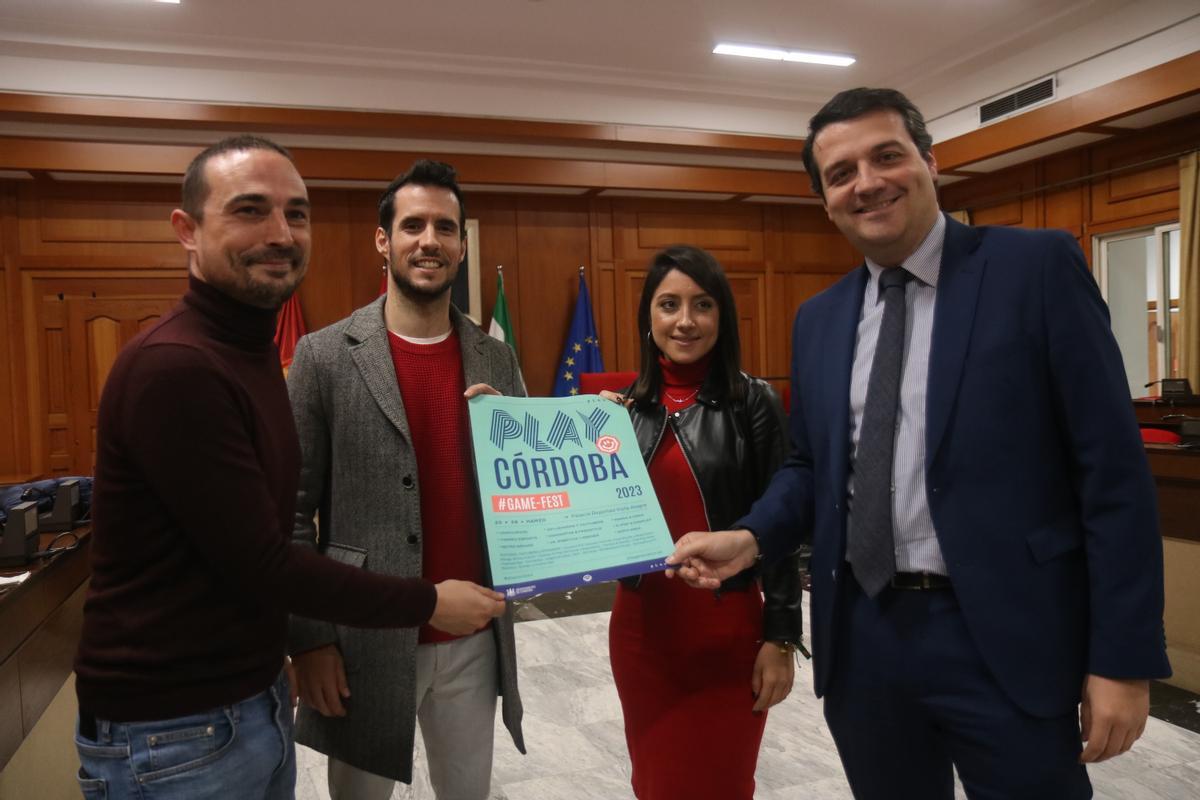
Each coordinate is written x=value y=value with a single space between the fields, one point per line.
x=777 y=54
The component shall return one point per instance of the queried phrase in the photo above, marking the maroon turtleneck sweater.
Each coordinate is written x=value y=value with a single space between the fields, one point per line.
x=193 y=571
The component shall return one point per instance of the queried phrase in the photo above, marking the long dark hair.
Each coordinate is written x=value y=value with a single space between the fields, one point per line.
x=724 y=376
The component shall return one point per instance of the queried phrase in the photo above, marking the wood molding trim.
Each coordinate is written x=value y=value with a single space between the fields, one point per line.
x=1165 y=83
x=337 y=164
x=166 y=114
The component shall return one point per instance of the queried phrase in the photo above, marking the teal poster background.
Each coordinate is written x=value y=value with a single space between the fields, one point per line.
x=566 y=498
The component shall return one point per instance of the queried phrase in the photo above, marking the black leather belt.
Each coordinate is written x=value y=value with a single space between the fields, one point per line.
x=920 y=581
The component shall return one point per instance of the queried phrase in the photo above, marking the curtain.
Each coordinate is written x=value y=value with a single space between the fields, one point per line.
x=1189 y=269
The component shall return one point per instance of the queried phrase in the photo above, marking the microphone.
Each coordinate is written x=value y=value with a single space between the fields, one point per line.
x=1173 y=388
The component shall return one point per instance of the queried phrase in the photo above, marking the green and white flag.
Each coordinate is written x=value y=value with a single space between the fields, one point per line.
x=501 y=327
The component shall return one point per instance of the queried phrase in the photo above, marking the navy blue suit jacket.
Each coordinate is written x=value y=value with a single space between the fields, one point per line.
x=1037 y=480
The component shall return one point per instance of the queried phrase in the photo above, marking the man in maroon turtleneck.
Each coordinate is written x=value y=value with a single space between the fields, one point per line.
x=180 y=666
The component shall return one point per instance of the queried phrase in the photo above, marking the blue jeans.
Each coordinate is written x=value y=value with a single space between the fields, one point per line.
x=244 y=750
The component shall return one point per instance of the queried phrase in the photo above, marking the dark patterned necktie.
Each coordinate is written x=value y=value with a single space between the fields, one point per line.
x=871 y=547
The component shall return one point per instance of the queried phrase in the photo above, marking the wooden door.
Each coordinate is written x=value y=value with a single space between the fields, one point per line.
x=97 y=329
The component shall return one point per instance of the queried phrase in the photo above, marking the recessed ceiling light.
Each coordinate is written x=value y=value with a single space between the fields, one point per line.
x=172 y=2
x=776 y=54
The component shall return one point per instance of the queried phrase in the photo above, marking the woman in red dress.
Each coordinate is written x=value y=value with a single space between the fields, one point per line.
x=696 y=671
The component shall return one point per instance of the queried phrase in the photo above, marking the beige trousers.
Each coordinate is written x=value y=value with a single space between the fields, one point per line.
x=456 y=707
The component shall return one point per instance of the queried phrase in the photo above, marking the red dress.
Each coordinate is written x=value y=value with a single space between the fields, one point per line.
x=682 y=658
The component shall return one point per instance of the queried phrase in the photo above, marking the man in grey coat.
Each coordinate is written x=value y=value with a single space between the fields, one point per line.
x=380 y=406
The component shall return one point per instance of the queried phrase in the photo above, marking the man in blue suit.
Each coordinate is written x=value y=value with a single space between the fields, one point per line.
x=987 y=569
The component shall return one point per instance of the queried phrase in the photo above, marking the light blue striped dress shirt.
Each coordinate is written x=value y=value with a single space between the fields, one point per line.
x=917 y=548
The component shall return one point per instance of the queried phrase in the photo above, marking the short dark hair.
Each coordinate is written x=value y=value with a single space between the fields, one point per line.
x=195 y=185
x=854 y=103
x=423 y=172
x=724 y=377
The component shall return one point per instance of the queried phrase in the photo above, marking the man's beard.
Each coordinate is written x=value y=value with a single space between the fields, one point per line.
x=238 y=281
x=270 y=294
x=421 y=295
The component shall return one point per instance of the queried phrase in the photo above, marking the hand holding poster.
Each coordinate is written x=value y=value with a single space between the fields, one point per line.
x=566 y=497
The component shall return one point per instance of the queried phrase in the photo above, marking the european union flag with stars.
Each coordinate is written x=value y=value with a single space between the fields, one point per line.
x=581 y=353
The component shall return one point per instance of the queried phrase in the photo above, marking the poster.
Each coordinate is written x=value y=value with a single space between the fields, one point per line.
x=566 y=498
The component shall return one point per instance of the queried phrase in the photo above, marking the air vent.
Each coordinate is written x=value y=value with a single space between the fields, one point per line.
x=1013 y=102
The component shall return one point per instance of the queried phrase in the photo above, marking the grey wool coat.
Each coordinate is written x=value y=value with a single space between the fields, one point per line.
x=359 y=478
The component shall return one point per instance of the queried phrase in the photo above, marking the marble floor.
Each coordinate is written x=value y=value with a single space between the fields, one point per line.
x=577 y=751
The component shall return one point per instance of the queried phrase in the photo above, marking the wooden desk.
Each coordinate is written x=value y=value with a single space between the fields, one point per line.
x=1150 y=412
x=1177 y=474
x=40 y=622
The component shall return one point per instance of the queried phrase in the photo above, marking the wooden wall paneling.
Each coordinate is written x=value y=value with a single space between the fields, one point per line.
x=14 y=437
x=327 y=293
x=629 y=277
x=1164 y=83
x=731 y=232
x=363 y=262
x=773 y=244
x=1144 y=190
x=53 y=364
x=497 y=217
x=604 y=305
x=97 y=329
x=806 y=253
x=167 y=114
x=774 y=248
x=1002 y=198
x=803 y=239
x=1065 y=208
x=1106 y=198
x=602 y=280
x=8 y=397
x=723 y=180
x=602 y=230
x=553 y=240
x=83 y=220
x=11 y=730
x=791 y=289
x=46 y=659
x=749 y=296
x=58 y=355
x=341 y=164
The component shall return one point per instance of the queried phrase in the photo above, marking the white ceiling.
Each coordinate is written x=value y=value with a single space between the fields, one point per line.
x=627 y=61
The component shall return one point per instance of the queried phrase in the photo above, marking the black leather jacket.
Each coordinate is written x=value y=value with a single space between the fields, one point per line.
x=733 y=450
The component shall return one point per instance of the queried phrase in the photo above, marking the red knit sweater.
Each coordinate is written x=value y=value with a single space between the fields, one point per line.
x=432 y=385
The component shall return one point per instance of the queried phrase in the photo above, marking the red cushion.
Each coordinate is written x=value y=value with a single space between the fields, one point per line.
x=1158 y=435
x=593 y=382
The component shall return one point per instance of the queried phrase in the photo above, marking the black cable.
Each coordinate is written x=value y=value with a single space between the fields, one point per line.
x=52 y=551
